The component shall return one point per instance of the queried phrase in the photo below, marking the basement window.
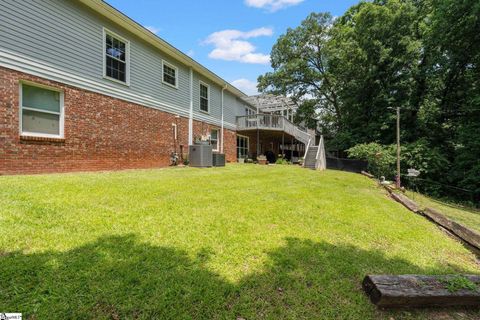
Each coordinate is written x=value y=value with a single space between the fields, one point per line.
x=41 y=111
x=170 y=74
x=116 y=57
x=204 y=96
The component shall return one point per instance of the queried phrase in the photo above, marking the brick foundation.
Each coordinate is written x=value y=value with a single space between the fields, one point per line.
x=101 y=133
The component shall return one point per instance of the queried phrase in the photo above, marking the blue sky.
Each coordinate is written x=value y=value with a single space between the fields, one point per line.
x=233 y=38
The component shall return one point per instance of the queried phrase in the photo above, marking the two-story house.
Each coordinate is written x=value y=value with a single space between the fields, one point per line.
x=84 y=87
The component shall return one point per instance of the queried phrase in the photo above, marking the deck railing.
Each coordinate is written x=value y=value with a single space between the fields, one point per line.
x=272 y=122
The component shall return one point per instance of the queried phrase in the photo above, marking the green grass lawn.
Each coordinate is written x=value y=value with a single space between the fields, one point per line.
x=469 y=217
x=257 y=242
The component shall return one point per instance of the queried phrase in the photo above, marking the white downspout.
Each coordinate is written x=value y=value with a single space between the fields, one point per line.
x=190 y=117
x=221 y=132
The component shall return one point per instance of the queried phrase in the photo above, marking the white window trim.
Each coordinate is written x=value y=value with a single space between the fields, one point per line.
x=218 y=138
x=248 y=143
x=21 y=108
x=168 y=64
x=200 y=96
x=127 y=57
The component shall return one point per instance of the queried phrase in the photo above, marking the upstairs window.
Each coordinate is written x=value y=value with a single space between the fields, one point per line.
x=214 y=139
x=170 y=74
x=204 y=97
x=41 y=111
x=116 y=57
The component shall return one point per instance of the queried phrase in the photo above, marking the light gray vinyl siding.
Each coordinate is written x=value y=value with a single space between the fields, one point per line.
x=214 y=101
x=64 y=38
x=234 y=107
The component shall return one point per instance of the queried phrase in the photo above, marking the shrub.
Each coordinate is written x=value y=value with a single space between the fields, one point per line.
x=381 y=159
x=282 y=161
x=425 y=158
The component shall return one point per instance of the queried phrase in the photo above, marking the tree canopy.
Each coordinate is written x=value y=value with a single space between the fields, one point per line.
x=420 y=55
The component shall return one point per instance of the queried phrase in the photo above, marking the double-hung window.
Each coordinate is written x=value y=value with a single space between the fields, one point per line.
x=214 y=139
x=116 y=57
x=170 y=74
x=204 y=97
x=41 y=111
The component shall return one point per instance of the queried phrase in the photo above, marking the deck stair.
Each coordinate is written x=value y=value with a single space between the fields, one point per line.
x=311 y=158
x=315 y=156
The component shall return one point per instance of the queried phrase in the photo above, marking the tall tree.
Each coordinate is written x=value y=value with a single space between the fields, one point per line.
x=375 y=53
x=455 y=36
x=300 y=63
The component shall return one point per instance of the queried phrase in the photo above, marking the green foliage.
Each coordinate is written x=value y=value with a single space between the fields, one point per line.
x=299 y=61
x=418 y=155
x=424 y=157
x=458 y=282
x=422 y=56
x=381 y=159
x=306 y=114
x=281 y=160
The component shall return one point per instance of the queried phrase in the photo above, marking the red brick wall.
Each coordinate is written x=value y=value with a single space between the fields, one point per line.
x=101 y=133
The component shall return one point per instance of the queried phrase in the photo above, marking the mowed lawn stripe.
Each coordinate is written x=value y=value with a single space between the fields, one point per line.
x=241 y=241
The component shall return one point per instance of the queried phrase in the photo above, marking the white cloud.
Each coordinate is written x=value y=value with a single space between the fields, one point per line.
x=190 y=53
x=247 y=86
x=152 y=29
x=272 y=5
x=231 y=45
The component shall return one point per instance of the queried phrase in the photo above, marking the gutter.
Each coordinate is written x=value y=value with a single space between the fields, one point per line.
x=221 y=131
x=190 y=114
x=111 y=13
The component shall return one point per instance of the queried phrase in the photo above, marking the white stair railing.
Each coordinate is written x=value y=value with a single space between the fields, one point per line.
x=306 y=152
x=274 y=122
x=321 y=160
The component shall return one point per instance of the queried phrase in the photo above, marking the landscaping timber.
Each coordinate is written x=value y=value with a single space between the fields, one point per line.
x=400 y=291
x=470 y=236
x=463 y=233
x=366 y=174
x=411 y=205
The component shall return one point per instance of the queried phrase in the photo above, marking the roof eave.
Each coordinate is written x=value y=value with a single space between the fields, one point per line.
x=121 y=19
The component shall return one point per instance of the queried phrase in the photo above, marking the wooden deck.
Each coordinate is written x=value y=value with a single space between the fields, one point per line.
x=272 y=123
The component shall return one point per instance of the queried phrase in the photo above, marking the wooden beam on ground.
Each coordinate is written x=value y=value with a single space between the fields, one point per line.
x=470 y=236
x=463 y=233
x=412 y=206
x=366 y=174
x=400 y=291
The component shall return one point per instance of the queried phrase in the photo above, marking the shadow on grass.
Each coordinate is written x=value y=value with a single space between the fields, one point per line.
x=122 y=278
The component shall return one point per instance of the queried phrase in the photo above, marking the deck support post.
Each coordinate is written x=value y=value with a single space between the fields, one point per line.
x=291 y=150
x=258 y=142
